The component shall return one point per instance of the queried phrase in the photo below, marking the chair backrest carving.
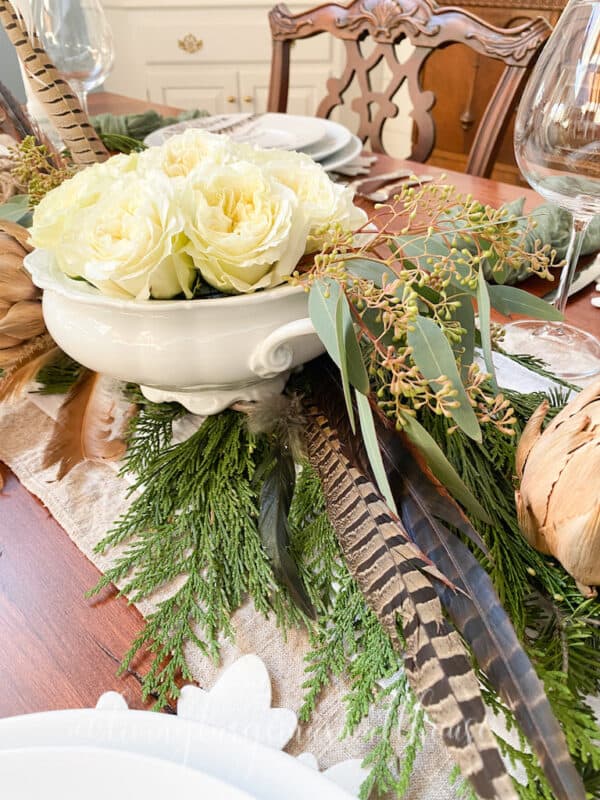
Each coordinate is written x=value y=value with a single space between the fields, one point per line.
x=427 y=27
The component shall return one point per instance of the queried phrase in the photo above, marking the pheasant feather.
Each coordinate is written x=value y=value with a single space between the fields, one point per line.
x=426 y=509
x=53 y=92
x=479 y=615
x=394 y=577
x=89 y=427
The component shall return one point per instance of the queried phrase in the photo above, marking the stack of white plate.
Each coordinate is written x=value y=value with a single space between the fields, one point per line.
x=327 y=142
x=100 y=754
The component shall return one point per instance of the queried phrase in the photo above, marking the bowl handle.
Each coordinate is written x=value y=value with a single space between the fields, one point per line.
x=275 y=354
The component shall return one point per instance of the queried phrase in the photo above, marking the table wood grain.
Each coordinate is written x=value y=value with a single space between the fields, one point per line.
x=59 y=650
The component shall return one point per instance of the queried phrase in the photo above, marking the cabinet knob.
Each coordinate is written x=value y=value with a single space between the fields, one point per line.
x=232 y=99
x=190 y=44
x=248 y=99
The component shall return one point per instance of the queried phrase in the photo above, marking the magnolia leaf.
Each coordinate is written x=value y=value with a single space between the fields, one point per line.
x=509 y=300
x=483 y=308
x=16 y=209
x=369 y=436
x=434 y=357
x=442 y=468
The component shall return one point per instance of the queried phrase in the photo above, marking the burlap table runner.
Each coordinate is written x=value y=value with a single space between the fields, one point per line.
x=24 y=431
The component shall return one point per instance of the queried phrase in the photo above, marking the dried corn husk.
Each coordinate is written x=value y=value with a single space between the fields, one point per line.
x=558 y=501
x=21 y=319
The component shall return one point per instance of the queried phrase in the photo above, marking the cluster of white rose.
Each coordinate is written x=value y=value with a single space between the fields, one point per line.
x=145 y=224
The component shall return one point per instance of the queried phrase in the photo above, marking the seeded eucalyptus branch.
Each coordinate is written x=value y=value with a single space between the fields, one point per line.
x=407 y=294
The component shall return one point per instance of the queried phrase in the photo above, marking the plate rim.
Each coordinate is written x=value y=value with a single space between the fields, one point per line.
x=175 y=739
x=358 y=146
x=239 y=115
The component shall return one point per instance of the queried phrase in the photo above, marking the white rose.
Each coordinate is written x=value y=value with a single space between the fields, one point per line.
x=129 y=243
x=246 y=229
x=84 y=189
x=180 y=155
x=323 y=202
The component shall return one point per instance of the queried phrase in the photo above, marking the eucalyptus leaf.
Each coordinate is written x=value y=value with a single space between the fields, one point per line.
x=442 y=468
x=323 y=300
x=369 y=436
x=465 y=349
x=434 y=357
x=369 y=269
x=485 y=330
x=420 y=248
x=340 y=330
x=16 y=209
x=509 y=300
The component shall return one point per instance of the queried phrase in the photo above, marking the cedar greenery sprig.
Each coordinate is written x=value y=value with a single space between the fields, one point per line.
x=169 y=534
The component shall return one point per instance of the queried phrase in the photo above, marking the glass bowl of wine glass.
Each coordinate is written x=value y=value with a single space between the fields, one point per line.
x=77 y=37
x=557 y=147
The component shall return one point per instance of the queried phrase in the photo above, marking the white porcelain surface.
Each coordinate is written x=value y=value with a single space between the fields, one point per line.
x=343 y=156
x=230 y=732
x=210 y=352
x=284 y=131
x=95 y=774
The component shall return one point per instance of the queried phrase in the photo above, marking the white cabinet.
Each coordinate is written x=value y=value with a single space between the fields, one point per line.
x=210 y=55
x=216 y=56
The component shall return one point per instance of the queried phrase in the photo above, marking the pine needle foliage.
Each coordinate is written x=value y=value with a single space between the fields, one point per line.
x=559 y=628
x=191 y=529
x=191 y=534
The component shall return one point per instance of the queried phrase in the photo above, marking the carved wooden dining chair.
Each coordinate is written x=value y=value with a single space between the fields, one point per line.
x=427 y=27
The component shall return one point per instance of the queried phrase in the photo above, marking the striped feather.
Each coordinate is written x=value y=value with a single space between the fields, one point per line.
x=394 y=577
x=53 y=92
x=426 y=510
x=479 y=615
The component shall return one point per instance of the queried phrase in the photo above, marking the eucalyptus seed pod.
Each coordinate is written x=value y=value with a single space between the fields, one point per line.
x=558 y=501
x=21 y=318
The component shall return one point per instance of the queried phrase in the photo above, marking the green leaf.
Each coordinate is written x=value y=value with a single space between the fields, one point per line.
x=369 y=269
x=434 y=357
x=442 y=468
x=341 y=334
x=323 y=310
x=465 y=315
x=15 y=209
x=483 y=307
x=367 y=427
x=322 y=303
x=509 y=300
x=330 y=313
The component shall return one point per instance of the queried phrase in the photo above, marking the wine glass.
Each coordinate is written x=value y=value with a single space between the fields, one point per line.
x=77 y=37
x=557 y=147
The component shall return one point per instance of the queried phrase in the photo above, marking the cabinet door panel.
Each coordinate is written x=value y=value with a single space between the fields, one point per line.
x=212 y=90
x=307 y=87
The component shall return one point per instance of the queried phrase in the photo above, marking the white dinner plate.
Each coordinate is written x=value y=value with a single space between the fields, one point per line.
x=262 y=772
x=283 y=131
x=343 y=156
x=336 y=136
x=61 y=773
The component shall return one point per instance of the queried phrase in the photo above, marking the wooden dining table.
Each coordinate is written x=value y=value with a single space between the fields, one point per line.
x=61 y=650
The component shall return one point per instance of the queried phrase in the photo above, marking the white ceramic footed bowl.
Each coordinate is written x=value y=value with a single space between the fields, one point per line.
x=206 y=354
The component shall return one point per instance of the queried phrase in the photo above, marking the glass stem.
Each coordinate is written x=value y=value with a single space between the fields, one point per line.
x=567 y=273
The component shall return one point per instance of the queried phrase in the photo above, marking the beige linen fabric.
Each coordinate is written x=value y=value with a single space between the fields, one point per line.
x=24 y=431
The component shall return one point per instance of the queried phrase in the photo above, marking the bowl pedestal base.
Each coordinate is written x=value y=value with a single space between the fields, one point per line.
x=207 y=400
